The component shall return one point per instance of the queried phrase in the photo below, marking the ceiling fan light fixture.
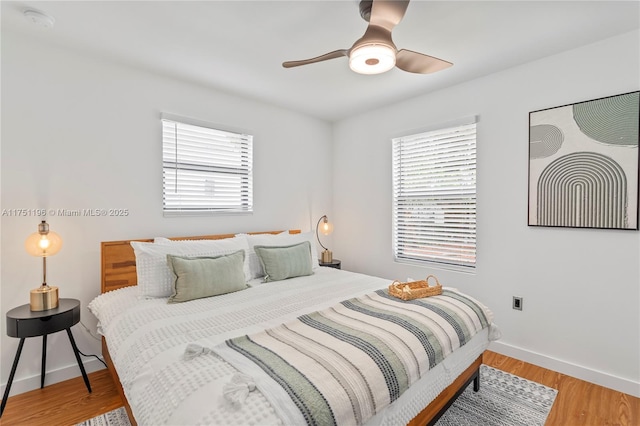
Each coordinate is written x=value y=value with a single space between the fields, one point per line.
x=373 y=58
x=375 y=52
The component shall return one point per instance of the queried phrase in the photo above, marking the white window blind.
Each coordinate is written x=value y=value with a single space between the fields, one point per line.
x=205 y=170
x=434 y=196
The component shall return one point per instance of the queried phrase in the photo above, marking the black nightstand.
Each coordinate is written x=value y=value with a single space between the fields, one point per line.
x=335 y=263
x=23 y=323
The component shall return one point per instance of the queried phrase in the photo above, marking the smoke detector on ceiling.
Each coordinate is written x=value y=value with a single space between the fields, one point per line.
x=38 y=18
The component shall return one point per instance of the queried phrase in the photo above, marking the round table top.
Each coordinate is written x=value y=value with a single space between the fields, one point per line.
x=23 y=312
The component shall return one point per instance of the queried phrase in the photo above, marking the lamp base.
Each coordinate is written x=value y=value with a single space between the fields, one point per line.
x=327 y=256
x=44 y=298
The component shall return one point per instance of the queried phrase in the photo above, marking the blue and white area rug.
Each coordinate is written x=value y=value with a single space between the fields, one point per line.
x=503 y=400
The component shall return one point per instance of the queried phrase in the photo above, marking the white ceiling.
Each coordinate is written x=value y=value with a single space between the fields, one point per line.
x=239 y=46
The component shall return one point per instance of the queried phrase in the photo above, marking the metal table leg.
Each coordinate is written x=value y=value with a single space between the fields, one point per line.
x=44 y=360
x=77 y=354
x=13 y=372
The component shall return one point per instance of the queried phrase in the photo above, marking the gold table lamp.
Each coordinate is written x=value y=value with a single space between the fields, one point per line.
x=326 y=228
x=43 y=243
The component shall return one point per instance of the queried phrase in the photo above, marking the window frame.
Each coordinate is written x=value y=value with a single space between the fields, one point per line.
x=464 y=260
x=230 y=159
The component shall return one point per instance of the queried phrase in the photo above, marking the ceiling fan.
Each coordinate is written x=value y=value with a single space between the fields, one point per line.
x=374 y=52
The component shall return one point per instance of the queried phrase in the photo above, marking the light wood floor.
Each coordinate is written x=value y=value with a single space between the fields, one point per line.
x=578 y=402
x=64 y=403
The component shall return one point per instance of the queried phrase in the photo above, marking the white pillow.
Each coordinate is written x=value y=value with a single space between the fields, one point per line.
x=282 y=239
x=155 y=278
x=162 y=240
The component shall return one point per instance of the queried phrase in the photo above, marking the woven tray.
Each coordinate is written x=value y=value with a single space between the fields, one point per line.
x=415 y=289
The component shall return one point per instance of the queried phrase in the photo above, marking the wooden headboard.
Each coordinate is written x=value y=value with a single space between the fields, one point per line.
x=118 y=260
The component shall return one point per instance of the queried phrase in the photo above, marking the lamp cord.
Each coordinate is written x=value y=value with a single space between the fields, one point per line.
x=89 y=331
x=95 y=337
x=95 y=356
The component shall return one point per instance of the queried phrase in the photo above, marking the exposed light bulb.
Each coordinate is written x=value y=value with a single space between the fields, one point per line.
x=327 y=227
x=44 y=242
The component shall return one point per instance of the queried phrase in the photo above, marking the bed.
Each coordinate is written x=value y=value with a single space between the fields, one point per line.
x=171 y=361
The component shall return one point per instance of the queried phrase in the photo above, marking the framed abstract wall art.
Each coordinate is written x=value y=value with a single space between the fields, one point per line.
x=583 y=164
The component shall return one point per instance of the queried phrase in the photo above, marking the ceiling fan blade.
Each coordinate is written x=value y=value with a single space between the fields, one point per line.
x=419 y=63
x=325 y=57
x=387 y=13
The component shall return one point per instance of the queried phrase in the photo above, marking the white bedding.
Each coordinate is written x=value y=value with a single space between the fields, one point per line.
x=147 y=339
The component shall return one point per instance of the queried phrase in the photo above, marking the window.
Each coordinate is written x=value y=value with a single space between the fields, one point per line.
x=434 y=196
x=205 y=170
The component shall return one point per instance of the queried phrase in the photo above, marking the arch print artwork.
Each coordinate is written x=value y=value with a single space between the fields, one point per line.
x=583 y=164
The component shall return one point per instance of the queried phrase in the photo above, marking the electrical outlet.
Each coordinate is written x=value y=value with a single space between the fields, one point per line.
x=517 y=303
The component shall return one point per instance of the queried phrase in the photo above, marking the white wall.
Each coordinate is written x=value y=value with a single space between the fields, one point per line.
x=78 y=132
x=581 y=287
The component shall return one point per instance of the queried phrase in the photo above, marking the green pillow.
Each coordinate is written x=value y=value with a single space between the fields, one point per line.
x=284 y=262
x=197 y=277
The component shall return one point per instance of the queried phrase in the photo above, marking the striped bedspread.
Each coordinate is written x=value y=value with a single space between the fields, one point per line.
x=342 y=365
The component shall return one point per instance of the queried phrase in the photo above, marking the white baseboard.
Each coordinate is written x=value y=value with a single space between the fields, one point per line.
x=579 y=372
x=54 y=376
